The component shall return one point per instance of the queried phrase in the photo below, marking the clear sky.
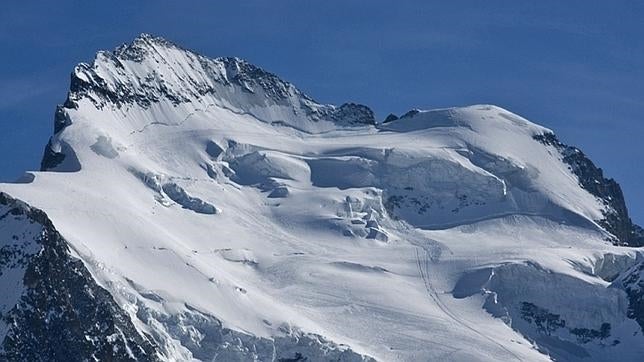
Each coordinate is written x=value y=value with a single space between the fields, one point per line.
x=574 y=66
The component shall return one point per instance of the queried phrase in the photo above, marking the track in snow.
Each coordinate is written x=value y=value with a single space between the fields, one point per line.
x=423 y=268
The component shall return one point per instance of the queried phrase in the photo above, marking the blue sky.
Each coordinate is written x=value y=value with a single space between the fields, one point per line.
x=574 y=66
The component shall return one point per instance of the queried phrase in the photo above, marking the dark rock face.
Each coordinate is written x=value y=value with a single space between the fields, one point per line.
x=64 y=160
x=390 y=118
x=353 y=114
x=63 y=315
x=545 y=321
x=61 y=119
x=632 y=282
x=250 y=77
x=411 y=113
x=616 y=219
x=51 y=158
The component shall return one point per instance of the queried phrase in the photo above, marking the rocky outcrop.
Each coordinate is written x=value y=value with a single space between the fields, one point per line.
x=59 y=157
x=352 y=114
x=591 y=178
x=109 y=82
x=390 y=118
x=62 y=314
x=50 y=158
x=632 y=282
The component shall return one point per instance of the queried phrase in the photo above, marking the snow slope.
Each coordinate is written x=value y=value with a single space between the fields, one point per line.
x=207 y=195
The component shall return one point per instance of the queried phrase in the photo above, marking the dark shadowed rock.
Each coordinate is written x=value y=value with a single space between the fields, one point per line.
x=390 y=118
x=616 y=219
x=62 y=315
x=352 y=114
x=632 y=282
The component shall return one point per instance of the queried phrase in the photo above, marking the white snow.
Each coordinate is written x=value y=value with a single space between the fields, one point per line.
x=477 y=193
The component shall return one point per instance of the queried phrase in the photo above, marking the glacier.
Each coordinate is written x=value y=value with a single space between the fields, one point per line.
x=195 y=208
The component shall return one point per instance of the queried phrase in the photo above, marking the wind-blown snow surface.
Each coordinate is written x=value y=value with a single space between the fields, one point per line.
x=197 y=190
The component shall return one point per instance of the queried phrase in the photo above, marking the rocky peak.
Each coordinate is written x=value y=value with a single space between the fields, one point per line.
x=353 y=114
x=151 y=69
x=591 y=178
x=141 y=47
x=58 y=312
x=390 y=118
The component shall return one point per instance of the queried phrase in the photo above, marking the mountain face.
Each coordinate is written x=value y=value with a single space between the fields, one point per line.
x=190 y=208
x=591 y=178
x=53 y=309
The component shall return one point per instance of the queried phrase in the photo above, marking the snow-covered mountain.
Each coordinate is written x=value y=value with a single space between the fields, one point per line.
x=191 y=208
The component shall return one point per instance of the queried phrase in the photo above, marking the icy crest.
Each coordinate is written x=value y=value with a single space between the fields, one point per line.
x=152 y=69
x=228 y=215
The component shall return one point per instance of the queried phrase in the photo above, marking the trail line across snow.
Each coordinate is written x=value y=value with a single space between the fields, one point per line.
x=424 y=258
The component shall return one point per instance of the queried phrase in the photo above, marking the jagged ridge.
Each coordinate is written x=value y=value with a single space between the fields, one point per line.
x=359 y=193
x=110 y=80
x=616 y=219
x=62 y=314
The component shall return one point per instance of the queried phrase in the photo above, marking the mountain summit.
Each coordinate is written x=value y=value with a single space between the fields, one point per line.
x=152 y=69
x=190 y=208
